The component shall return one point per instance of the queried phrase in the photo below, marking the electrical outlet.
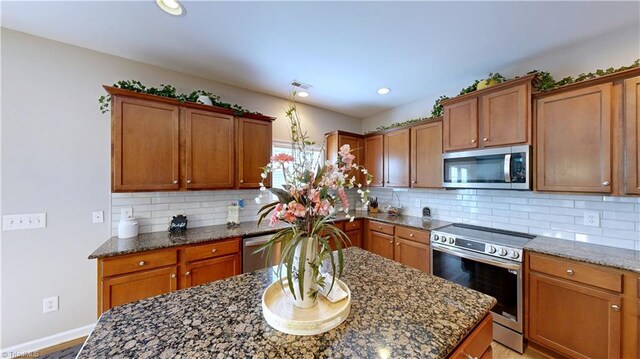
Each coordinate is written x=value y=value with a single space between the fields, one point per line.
x=24 y=221
x=126 y=212
x=418 y=203
x=98 y=216
x=592 y=218
x=50 y=304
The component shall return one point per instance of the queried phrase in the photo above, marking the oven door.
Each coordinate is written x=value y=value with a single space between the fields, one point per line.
x=498 y=278
x=498 y=168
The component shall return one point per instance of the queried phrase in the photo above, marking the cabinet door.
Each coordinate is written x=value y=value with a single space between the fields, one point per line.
x=460 y=125
x=356 y=237
x=209 y=270
x=397 y=158
x=632 y=120
x=506 y=116
x=373 y=154
x=128 y=288
x=145 y=145
x=574 y=141
x=356 y=144
x=574 y=320
x=254 y=151
x=381 y=244
x=412 y=254
x=210 y=151
x=426 y=156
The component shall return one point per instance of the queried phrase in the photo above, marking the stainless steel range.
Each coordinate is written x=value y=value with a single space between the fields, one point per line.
x=490 y=261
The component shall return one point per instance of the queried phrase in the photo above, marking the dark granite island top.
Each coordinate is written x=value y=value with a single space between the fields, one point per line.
x=395 y=310
x=157 y=240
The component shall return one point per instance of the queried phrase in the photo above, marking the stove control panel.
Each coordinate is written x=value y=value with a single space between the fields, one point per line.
x=494 y=250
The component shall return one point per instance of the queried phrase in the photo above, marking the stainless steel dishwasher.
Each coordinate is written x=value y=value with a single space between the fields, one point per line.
x=253 y=261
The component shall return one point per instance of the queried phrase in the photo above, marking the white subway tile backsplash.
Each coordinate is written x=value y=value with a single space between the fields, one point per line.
x=553 y=215
x=129 y=201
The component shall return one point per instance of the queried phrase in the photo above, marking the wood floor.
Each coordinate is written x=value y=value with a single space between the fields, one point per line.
x=502 y=352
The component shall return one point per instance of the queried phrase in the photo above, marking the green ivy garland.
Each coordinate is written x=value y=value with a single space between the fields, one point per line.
x=170 y=92
x=543 y=82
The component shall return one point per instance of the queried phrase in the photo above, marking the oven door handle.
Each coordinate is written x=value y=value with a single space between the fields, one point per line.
x=476 y=257
x=507 y=168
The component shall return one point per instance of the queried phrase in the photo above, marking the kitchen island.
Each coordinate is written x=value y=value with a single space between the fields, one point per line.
x=396 y=311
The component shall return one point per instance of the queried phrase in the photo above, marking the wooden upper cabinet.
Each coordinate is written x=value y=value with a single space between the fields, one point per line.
x=506 y=116
x=145 y=141
x=575 y=320
x=460 y=125
x=632 y=121
x=337 y=139
x=373 y=159
x=426 y=155
x=397 y=158
x=573 y=138
x=210 y=150
x=254 y=151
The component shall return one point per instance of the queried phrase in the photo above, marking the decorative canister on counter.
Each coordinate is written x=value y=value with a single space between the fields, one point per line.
x=127 y=227
x=178 y=223
x=233 y=215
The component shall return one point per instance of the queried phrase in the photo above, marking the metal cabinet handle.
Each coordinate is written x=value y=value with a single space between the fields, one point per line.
x=141 y=263
x=473 y=140
x=214 y=250
x=187 y=274
x=388 y=182
x=570 y=271
x=188 y=181
x=398 y=244
x=175 y=181
x=485 y=139
x=615 y=307
x=410 y=234
x=605 y=183
x=391 y=242
x=173 y=275
x=241 y=181
x=379 y=227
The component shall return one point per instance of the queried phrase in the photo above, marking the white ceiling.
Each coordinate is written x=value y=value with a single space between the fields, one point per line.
x=346 y=50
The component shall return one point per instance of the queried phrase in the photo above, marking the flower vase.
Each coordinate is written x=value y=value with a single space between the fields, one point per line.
x=310 y=284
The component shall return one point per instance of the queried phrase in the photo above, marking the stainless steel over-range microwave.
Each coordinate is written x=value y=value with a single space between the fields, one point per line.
x=492 y=168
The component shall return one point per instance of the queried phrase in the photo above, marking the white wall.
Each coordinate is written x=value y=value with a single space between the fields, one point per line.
x=55 y=159
x=616 y=49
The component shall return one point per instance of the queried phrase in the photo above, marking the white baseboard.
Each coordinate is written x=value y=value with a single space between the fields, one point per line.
x=33 y=346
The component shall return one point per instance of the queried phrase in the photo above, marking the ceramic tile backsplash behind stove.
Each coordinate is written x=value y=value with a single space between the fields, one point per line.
x=153 y=210
x=560 y=216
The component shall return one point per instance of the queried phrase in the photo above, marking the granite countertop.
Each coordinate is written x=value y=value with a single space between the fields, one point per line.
x=395 y=309
x=149 y=241
x=619 y=258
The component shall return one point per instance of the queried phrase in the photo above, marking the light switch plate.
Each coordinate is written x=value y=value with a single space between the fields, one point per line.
x=24 y=221
x=98 y=216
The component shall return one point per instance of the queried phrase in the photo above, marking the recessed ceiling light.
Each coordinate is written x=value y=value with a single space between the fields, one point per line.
x=383 y=90
x=172 y=7
x=302 y=94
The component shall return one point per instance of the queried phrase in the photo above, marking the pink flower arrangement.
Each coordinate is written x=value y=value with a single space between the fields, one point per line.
x=282 y=158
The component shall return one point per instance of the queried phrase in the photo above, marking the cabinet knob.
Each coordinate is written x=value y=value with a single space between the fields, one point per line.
x=615 y=307
x=175 y=181
x=570 y=271
x=381 y=182
x=605 y=183
x=391 y=242
x=388 y=182
x=414 y=182
x=410 y=234
x=379 y=227
x=485 y=139
x=397 y=243
x=188 y=181
x=473 y=140
x=214 y=250
x=173 y=275
x=467 y=356
x=141 y=263
x=241 y=181
x=187 y=274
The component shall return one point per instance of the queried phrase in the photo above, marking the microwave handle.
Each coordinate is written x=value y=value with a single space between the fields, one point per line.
x=507 y=168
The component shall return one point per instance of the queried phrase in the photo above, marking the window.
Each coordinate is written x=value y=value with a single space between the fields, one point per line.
x=277 y=179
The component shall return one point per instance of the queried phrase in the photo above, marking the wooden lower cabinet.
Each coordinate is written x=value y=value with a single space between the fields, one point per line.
x=126 y=288
x=478 y=343
x=355 y=236
x=381 y=244
x=412 y=254
x=209 y=270
x=127 y=278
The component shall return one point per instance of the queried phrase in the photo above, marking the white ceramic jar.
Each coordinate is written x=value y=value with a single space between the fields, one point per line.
x=128 y=227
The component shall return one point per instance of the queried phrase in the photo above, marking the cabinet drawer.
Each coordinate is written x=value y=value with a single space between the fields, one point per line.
x=193 y=253
x=138 y=262
x=412 y=234
x=478 y=342
x=577 y=272
x=381 y=227
x=350 y=226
